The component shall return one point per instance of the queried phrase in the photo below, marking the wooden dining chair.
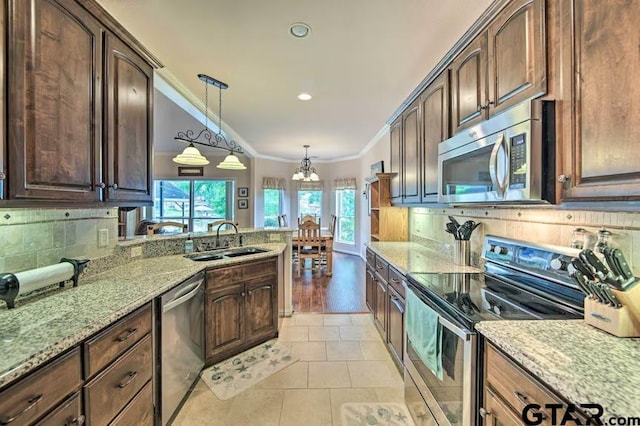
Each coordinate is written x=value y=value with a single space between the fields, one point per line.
x=307 y=218
x=332 y=231
x=282 y=221
x=309 y=245
x=152 y=229
x=211 y=227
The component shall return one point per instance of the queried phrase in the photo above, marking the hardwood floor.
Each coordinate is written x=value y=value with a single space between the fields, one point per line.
x=344 y=292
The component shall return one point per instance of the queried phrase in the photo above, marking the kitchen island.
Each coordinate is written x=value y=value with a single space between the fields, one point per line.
x=582 y=364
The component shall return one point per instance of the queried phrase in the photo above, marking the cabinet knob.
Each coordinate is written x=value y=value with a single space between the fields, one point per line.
x=564 y=178
x=243 y=294
x=101 y=185
x=114 y=186
x=77 y=421
x=2 y=176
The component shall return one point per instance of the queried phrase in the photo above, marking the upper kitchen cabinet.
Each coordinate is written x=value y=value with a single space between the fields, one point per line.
x=469 y=85
x=600 y=142
x=517 y=55
x=502 y=66
x=395 y=134
x=434 y=102
x=410 y=153
x=78 y=106
x=54 y=101
x=128 y=124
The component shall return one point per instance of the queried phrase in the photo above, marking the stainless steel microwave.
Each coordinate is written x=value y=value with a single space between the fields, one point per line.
x=509 y=158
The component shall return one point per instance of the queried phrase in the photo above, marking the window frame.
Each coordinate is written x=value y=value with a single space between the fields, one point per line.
x=319 y=215
x=338 y=202
x=280 y=203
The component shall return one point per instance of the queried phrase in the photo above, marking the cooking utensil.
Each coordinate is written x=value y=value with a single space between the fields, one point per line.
x=453 y=229
x=622 y=264
x=454 y=221
x=611 y=261
x=583 y=268
x=601 y=271
x=612 y=297
x=596 y=291
x=578 y=278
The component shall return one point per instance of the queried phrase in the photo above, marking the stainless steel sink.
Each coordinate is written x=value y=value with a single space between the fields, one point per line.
x=225 y=254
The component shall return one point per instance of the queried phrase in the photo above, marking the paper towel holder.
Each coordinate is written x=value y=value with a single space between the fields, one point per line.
x=10 y=284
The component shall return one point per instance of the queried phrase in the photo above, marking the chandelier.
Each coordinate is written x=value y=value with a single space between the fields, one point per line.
x=191 y=156
x=305 y=172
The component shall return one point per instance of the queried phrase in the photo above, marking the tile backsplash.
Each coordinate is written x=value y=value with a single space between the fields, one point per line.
x=541 y=225
x=32 y=238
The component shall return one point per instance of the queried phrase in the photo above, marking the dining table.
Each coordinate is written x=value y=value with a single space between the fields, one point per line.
x=327 y=242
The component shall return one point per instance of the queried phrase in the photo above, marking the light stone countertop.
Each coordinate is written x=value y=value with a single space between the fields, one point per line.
x=409 y=257
x=580 y=362
x=37 y=331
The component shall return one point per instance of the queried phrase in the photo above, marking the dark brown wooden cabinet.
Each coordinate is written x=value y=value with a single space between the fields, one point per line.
x=395 y=134
x=78 y=107
x=370 y=283
x=599 y=135
x=395 y=332
x=241 y=308
x=469 y=85
x=434 y=102
x=380 y=308
x=54 y=67
x=128 y=124
x=411 y=153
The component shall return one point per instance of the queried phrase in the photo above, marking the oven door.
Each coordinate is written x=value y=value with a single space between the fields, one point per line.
x=450 y=401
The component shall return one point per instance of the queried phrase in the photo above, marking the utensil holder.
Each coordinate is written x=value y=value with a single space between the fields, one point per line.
x=461 y=252
x=620 y=322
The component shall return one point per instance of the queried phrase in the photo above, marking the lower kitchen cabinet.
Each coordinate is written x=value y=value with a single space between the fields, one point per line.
x=380 y=309
x=508 y=388
x=241 y=308
x=370 y=288
x=395 y=330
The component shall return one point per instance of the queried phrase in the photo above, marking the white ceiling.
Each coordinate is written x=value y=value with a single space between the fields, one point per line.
x=360 y=62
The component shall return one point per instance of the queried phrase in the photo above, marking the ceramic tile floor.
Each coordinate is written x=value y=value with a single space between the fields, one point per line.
x=341 y=359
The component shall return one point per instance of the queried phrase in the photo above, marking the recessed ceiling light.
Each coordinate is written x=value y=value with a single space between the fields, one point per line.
x=299 y=30
x=304 y=96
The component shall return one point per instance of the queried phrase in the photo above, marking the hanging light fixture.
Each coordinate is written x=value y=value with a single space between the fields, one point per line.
x=305 y=172
x=191 y=156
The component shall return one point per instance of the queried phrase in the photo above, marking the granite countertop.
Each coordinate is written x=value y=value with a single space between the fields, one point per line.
x=580 y=362
x=33 y=333
x=409 y=257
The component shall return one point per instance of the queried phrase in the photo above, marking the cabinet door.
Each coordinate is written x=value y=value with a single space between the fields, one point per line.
x=496 y=413
x=395 y=332
x=129 y=124
x=602 y=158
x=225 y=321
x=435 y=129
x=517 y=55
x=411 y=143
x=469 y=85
x=395 y=132
x=262 y=315
x=54 y=101
x=370 y=283
x=380 y=313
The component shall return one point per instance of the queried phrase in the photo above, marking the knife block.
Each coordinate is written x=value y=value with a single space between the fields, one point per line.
x=620 y=322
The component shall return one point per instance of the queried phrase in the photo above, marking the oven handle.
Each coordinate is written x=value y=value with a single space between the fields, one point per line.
x=493 y=167
x=462 y=332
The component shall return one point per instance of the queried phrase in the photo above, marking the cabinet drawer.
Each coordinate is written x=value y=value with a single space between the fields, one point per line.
x=139 y=411
x=33 y=396
x=382 y=268
x=515 y=386
x=259 y=269
x=371 y=258
x=115 y=340
x=395 y=281
x=223 y=276
x=112 y=389
x=69 y=413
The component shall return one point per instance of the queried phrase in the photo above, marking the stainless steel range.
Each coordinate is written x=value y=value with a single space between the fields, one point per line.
x=521 y=281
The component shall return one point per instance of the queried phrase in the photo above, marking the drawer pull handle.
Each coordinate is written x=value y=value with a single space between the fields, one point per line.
x=395 y=280
x=124 y=336
x=32 y=403
x=132 y=375
x=77 y=421
x=521 y=397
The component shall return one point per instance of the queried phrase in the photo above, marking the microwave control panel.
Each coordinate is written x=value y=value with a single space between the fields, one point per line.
x=518 y=156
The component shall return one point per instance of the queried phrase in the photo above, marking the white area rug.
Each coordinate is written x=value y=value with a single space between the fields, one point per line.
x=375 y=413
x=232 y=376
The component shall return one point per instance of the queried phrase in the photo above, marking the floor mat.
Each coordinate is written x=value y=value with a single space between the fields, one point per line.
x=236 y=374
x=375 y=413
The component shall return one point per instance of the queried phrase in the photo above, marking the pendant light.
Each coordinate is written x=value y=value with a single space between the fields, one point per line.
x=191 y=156
x=305 y=172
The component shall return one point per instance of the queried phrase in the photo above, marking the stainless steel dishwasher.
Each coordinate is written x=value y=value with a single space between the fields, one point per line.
x=180 y=349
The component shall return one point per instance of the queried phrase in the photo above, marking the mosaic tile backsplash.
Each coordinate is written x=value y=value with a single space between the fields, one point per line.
x=548 y=226
x=32 y=238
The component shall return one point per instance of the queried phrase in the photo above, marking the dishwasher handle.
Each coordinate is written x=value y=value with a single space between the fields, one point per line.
x=189 y=293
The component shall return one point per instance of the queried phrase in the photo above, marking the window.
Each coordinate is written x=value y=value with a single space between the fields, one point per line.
x=195 y=202
x=309 y=203
x=272 y=198
x=345 y=216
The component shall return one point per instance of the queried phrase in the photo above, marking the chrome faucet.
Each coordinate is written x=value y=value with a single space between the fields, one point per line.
x=226 y=222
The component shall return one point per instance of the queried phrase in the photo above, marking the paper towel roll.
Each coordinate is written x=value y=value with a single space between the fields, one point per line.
x=42 y=277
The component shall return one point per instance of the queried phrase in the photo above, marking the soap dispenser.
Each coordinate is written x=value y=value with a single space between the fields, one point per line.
x=188 y=245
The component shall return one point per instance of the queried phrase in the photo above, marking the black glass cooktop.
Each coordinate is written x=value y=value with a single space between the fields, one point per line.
x=480 y=297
